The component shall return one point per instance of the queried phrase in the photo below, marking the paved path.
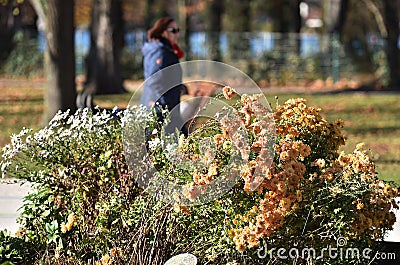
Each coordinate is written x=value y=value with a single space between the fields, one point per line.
x=10 y=201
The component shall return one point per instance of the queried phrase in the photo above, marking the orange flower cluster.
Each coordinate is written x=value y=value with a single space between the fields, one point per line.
x=203 y=179
x=108 y=259
x=70 y=223
x=283 y=183
x=373 y=212
x=294 y=118
x=228 y=92
x=281 y=194
x=252 y=118
x=285 y=179
x=278 y=182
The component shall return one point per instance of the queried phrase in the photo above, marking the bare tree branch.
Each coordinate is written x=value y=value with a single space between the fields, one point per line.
x=378 y=17
x=39 y=9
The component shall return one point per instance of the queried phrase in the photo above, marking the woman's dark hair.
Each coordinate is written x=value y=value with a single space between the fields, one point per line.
x=159 y=27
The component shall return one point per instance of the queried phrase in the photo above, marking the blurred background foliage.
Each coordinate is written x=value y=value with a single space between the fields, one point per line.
x=275 y=42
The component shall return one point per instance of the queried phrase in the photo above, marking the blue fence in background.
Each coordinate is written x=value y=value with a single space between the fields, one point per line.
x=260 y=42
x=273 y=55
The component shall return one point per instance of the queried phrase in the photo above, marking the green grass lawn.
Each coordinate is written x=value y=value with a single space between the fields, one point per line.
x=371 y=118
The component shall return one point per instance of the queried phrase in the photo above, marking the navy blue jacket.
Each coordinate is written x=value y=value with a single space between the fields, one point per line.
x=162 y=87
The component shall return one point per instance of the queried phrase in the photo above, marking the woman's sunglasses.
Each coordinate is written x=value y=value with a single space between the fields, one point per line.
x=173 y=30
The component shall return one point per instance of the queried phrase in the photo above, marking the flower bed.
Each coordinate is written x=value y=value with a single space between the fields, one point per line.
x=300 y=194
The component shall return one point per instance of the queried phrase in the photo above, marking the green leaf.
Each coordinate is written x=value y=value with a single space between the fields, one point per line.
x=7 y=263
x=108 y=154
x=46 y=213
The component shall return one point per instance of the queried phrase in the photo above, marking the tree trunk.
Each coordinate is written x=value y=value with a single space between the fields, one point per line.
x=106 y=42
x=186 y=36
x=392 y=51
x=286 y=16
x=213 y=24
x=341 y=19
x=149 y=18
x=8 y=26
x=154 y=9
x=238 y=13
x=296 y=22
x=60 y=58
x=282 y=16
